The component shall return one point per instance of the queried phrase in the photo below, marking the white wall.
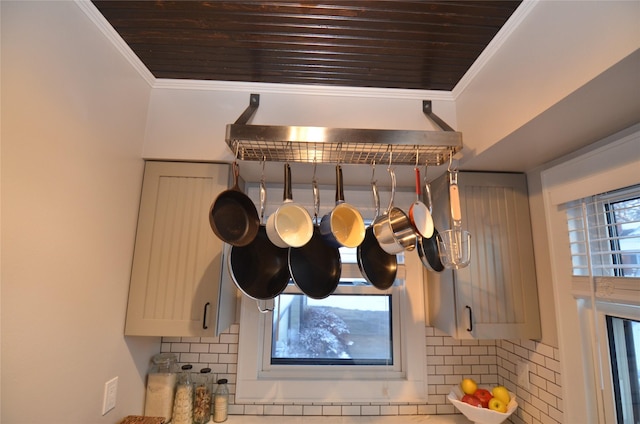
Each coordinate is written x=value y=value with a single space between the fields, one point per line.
x=556 y=48
x=73 y=122
x=196 y=114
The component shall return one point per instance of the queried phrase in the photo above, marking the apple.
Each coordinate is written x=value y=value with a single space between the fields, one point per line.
x=496 y=404
x=501 y=393
x=484 y=396
x=471 y=400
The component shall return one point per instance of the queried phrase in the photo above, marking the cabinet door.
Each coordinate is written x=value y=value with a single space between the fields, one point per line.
x=178 y=287
x=496 y=296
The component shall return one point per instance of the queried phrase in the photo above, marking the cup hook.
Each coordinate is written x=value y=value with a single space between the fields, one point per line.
x=237 y=150
x=450 y=168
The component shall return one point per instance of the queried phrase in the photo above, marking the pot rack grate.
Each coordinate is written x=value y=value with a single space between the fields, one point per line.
x=273 y=143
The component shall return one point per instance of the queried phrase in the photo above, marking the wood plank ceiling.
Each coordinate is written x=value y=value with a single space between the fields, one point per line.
x=385 y=44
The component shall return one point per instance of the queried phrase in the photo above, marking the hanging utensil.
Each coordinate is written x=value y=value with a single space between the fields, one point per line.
x=315 y=267
x=343 y=226
x=454 y=245
x=419 y=213
x=290 y=225
x=377 y=266
x=427 y=247
x=393 y=230
x=233 y=216
x=259 y=269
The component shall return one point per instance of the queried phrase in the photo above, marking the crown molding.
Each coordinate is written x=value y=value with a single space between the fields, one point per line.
x=112 y=35
x=496 y=43
x=318 y=90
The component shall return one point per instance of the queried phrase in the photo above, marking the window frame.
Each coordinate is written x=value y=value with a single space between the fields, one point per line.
x=359 y=383
x=333 y=371
x=607 y=165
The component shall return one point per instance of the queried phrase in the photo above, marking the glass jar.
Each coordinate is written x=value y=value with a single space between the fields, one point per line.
x=221 y=401
x=202 y=397
x=183 y=404
x=161 y=385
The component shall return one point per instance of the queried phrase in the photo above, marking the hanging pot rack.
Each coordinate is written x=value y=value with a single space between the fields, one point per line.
x=279 y=143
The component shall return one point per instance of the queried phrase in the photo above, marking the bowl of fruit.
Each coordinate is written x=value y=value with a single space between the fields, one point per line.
x=483 y=405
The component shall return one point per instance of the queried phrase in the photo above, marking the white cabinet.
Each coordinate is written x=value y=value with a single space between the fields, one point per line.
x=495 y=297
x=178 y=286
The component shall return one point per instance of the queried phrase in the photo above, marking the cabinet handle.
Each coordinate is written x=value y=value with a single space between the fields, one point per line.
x=205 y=315
x=470 y=326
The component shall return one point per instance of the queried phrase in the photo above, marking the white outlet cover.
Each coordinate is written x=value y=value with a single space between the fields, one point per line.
x=523 y=375
x=110 y=392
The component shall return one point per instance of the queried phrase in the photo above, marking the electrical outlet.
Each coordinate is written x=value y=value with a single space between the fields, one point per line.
x=110 y=391
x=523 y=375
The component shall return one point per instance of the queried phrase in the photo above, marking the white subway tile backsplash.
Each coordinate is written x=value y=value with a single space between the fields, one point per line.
x=448 y=361
x=312 y=410
x=295 y=410
x=274 y=409
x=350 y=410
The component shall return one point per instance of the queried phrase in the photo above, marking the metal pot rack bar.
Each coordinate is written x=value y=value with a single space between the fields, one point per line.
x=278 y=143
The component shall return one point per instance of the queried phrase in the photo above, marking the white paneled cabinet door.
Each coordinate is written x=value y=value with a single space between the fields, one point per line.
x=178 y=287
x=496 y=296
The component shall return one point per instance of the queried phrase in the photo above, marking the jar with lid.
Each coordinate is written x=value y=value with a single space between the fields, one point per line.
x=221 y=401
x=161 y=385
x=183 y=404
x=202 y=397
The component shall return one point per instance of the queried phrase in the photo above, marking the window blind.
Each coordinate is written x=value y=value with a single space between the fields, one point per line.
x=604 y=234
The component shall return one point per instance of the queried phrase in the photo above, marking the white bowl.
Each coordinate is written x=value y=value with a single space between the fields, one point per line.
x=480 y=415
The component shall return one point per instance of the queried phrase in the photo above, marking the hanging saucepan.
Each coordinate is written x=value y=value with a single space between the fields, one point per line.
x=419 y=213
x=315 y=267
x=427 y=247
x=343 y=226
x=393 y=230
x=290 y=225
x=260 y=269
x=377 y=266
x=233 y=216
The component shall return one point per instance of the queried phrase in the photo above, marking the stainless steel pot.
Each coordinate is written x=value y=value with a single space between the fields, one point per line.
x=394 y=230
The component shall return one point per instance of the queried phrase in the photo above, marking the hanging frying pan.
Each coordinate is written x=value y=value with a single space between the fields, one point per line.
x=315 y=267
x=427 y=247
x=377 y=266
x=259 y=269
x=233 y=216
x=419 y=213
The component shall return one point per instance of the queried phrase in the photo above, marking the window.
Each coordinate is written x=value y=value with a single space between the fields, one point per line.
x=611 y=247
x=624 y=350
x=359 y=344
x=582 y=301
x=604 y=237
x=343 y=329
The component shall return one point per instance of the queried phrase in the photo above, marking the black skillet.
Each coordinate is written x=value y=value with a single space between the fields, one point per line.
x=378 y=267
x=233 y=216
x=428 y=247
x=259 y=269
x=315 y=267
